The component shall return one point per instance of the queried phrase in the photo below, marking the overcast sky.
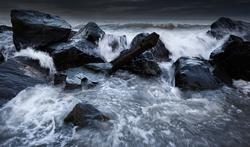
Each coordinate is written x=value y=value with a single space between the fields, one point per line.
x=133 y=9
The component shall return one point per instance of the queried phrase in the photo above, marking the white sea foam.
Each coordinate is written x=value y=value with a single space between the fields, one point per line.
x=44 y=59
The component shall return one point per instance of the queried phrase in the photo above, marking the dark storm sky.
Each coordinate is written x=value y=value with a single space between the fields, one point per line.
x=134 y=9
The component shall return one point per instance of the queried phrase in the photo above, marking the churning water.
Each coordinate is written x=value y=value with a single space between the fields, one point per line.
x=144 y=111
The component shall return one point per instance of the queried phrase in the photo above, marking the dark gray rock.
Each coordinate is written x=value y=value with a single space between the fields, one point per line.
x=99 y=67
x=36 y=29
x=74 y=53
x=159 y=51
x=233 y=58
x=59 y=78
x=194 y=74
x=226 y=26
x=127 y=57
x=17 y=74
x=83 y=115
x=92 y=32
x=143 y=65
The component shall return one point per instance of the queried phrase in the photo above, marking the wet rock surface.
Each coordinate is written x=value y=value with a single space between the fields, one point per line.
x=226 y=26
x=194 y=74
x=127 y=56
x=74 y=53
x=59 y=78
x=159 y=51
x=36 y=29
x=17 y=74
x=233 y=58
x=144 y=64
x=91 y=32
x=83 y=114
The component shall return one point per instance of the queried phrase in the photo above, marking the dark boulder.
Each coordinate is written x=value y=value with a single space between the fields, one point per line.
x=233 y=58
x=226 y=26
x=127 y=56
x=194 y=74
x=36 y=29
x=144 y=64
x=74 y=53
x=59 y=78
x=159 y=51
x=83 y=115
x=92 y=32
x=16 y=74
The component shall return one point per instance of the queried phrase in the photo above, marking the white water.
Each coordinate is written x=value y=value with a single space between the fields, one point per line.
x=44 y=59
x=7 y=47
x=143 y=111
x=180 y=42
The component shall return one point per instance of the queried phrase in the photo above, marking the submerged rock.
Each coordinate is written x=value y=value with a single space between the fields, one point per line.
x=127 y=56
x=99 y=67
x=84 y=114
x=16 y=74
x=72 y=84
x=36 y=29
x=74 y=53
x=159 y=51
x=116 y=42
x=233 y=58
x=59 y=78
x=92 y=32
x=194 y=74
x=224 y=26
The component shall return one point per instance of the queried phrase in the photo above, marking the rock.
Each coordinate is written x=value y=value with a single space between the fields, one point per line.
x=126 y=57
x=16 y=74
x=59 y=78
x=224 y=26
x=87 y=83
x=144 y=65
x=160 y=52
x=1 y=58
x=99 y=67
x=233 y=58
x=37 y=30
x=72 y=84
x=74 y=53
x=92 y=32
x=84 y=114
x=194 y=74
x=4 y=28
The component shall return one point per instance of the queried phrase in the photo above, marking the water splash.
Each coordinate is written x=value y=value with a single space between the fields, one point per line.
x=45 y=60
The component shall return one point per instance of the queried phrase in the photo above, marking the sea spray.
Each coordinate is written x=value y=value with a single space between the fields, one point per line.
x=111 y=46
x=45 y=60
